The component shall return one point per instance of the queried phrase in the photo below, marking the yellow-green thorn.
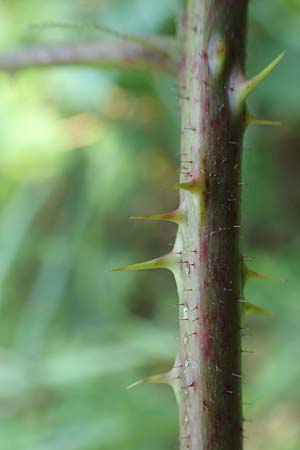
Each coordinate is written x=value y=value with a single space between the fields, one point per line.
x=164 y=378
x=248 y=273
x=160 y=378
x=255 y=121
x=250 y=308
x=189 y=186
x=164 y=262
x=176 y=216
x=194 y=186
x=247 y=86
x=136 y=383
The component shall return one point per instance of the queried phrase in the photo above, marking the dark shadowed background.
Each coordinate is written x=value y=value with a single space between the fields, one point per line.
x=81 y=150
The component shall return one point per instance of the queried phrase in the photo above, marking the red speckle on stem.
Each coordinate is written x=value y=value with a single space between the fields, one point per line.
x=157 y=262
x=205 y=284
x=206 y=105
x=193 y=334
x=191 y=385
x=205 y=404
x=213 y=123
x=169 y=215
x=188 y=437
x=188 y=174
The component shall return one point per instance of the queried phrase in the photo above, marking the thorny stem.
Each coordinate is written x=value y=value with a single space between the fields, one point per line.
x=209 y=359
x=206 y=259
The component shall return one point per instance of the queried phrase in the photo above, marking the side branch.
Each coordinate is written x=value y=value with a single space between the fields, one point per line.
x=108 y=54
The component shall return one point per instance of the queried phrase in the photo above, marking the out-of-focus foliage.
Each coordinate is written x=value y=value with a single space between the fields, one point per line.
x=81 y=150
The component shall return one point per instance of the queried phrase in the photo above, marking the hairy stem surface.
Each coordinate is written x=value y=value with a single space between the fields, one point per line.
x=209 y=361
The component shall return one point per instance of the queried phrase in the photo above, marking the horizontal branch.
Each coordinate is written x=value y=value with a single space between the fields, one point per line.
x=159 y=56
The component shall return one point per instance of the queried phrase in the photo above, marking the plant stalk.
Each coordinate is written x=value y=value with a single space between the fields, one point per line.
x=208 y=365
x=206 y=259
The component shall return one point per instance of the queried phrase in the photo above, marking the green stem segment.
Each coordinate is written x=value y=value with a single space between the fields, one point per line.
x=208 y=365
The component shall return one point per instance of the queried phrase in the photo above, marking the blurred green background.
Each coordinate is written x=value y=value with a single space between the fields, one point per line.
x=81 y=151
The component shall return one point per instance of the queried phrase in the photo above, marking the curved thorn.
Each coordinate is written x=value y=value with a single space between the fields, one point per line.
x=239 y=88
x=250 y=308
x=136 y=383
x=248 y=273
x=163 y=378
x=247 y=86
x=190 y=186
x=176 y=216
x=164 y=262
x=194 y=186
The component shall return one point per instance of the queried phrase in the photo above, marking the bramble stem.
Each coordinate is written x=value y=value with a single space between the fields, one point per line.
x=206 y=259
x=209 y=359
